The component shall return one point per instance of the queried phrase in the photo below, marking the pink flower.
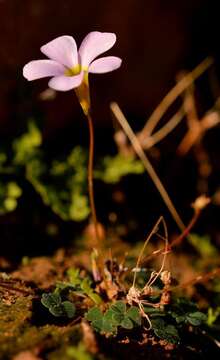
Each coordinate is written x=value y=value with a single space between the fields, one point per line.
x=69 y=67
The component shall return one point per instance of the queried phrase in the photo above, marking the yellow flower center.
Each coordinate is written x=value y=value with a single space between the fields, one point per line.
x=76 y=70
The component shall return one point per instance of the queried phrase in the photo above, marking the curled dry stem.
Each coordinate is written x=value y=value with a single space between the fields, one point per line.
x=134 y=294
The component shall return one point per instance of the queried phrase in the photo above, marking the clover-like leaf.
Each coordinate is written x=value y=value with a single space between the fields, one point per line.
x=196 y=318
x=158 y=323
x=117 y=318
x=119 y=307
x=108 y=326
x=153 y=312
x=134 y=314
x=56 y=310
x=180 y=318
x=53 y=302
x=94 y=314
x=112 y=317
x=127 y=323
x=50 y=300
x=69 y=309
x=97 y=325
x=168 y=333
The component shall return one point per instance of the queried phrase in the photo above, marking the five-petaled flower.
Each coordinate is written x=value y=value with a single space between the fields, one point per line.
x=69 y=67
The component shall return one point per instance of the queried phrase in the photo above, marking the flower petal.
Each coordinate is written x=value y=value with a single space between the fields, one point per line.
x=94 y=44
x=105 y=64
x=65 y=83
x=62 y=49
x=38 y=69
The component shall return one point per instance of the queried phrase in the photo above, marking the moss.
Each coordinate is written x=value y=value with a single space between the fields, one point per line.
x=17 y=333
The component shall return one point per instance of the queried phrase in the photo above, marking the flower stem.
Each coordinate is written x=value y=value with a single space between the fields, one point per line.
x=90 y=178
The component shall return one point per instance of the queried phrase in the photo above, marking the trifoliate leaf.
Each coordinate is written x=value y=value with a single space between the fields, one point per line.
x=168 y=333
x=50 y=300
x=127 y=323
x=69 y=309
x=94 y=314
x=119 y=307
x=97 y=325
x=134 y=314
x=56 y=310
x=196 y=318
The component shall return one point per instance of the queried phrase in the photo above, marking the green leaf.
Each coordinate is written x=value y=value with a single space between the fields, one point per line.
x=78 y=352
x=158 y=323
x=69 y=309
x=25 y=146
x=196 y=318
x=50 y=300
x=97 y=325
x=73 y=275
x=117 y=318
x=14 y=191
x=127 y=323
x=56 y=310
x=108 y=327
x=119 y=307
x=134 y=314
x=213 y=315
x=86 y=285
x=95 y=297
x=94 y=314
x=112 y=317
x=203 y=245
x=168 y=333
x=180 y=318
x=153 y=311
x=114 y=168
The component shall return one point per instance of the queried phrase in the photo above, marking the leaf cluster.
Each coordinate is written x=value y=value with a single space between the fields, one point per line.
x=118 y=315
x=185 y=311
x=168 y=322
x=53 y=302
x=79 y=285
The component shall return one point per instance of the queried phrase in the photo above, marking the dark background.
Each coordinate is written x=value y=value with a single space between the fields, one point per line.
x=155 y=38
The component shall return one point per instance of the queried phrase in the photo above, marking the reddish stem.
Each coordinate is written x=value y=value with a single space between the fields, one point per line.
x=90 y=178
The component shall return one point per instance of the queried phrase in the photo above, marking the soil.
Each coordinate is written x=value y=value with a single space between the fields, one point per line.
x=29 y=332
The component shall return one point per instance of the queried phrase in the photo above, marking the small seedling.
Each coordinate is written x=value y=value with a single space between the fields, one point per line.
x=116 y=316
x=185 y=311
x=53 y=302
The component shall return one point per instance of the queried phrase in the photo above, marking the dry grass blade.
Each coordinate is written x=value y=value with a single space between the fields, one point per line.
x=149 y=168
x=165 y=130
x=172 y=95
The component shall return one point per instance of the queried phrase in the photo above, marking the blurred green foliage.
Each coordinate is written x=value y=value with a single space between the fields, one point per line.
x=61 y=183
x=78 y=352
x=9 y=195
x=114 y=168
x=203 y=245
